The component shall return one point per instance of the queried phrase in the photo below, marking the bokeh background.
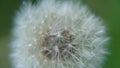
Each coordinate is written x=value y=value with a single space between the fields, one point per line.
x=109 y=10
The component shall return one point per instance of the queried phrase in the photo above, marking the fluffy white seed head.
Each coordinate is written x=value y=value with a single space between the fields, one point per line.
x=53 y=34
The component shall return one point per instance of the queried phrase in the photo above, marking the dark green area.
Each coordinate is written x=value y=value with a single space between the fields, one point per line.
x=7 y=12
x=109 y=10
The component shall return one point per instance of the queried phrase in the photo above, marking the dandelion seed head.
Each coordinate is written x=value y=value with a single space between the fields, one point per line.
x=53 y=34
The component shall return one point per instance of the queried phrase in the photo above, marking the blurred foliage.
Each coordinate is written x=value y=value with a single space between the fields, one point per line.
x=109 y=10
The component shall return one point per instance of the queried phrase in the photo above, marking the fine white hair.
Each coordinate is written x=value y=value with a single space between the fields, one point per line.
x=50 y=17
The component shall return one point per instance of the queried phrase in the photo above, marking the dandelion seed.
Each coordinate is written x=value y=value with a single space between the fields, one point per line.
x=54 y=34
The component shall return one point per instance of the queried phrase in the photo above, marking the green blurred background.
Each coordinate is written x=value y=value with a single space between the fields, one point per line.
x=109 y=10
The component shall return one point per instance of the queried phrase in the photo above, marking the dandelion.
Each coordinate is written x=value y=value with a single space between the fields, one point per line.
x=55 y=34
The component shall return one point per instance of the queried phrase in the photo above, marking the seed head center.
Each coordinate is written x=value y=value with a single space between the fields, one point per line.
x=58 y=47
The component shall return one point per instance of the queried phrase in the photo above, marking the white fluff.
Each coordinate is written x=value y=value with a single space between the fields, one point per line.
x=32 y=23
